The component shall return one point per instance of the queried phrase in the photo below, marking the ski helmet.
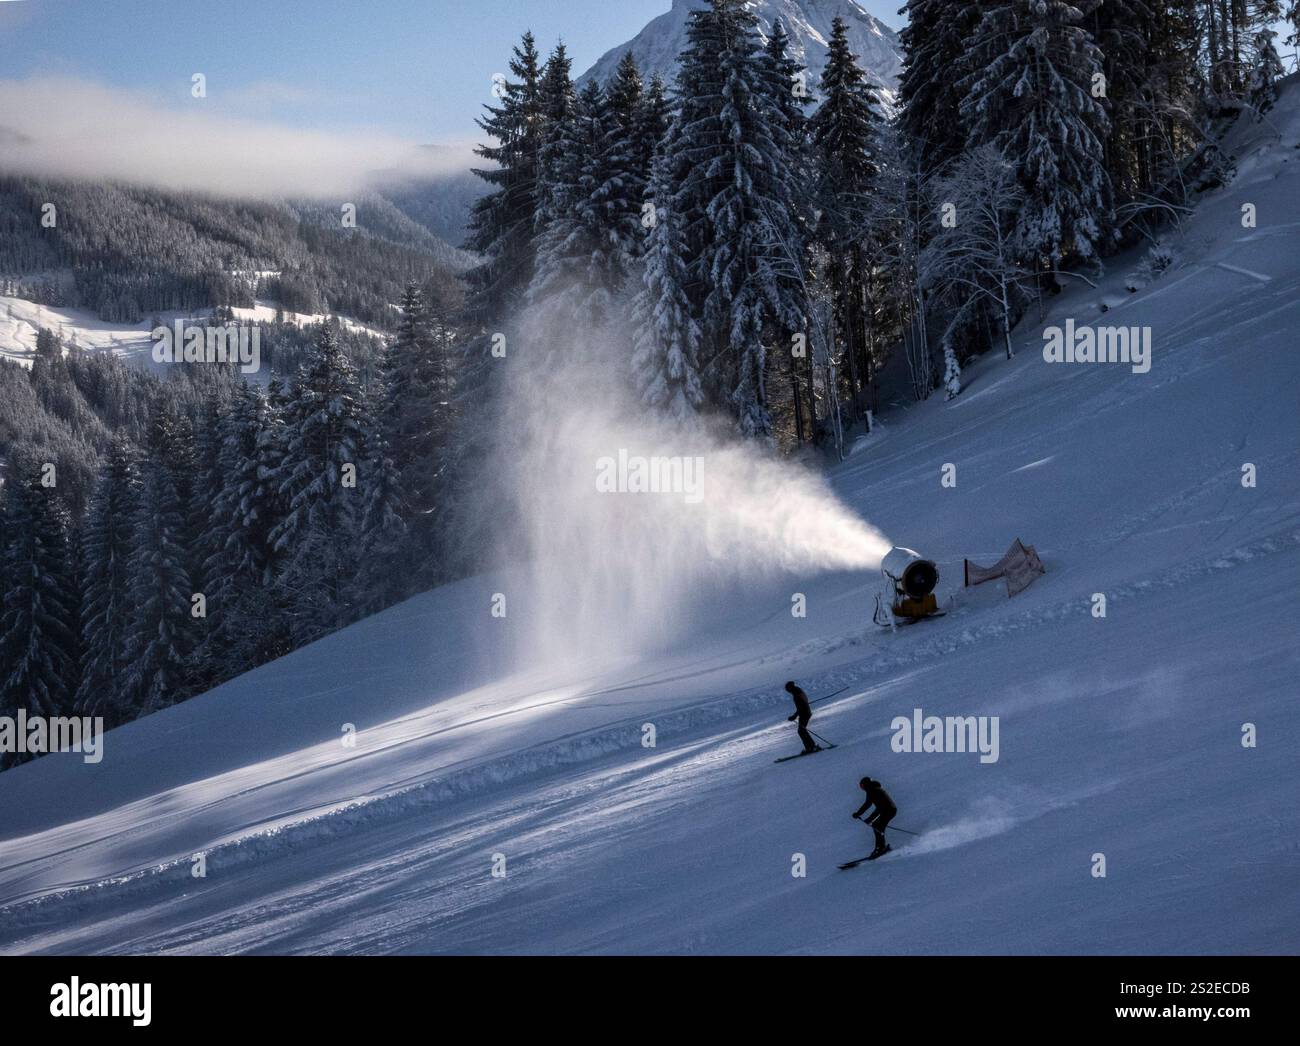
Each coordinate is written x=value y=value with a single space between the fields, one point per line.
x=864 y=783
x=790 y=685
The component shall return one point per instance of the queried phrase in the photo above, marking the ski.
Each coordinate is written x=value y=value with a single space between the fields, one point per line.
x=800 y=755
x=870 y=857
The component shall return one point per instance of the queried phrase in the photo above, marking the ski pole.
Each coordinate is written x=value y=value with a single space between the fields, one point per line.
x=821 y=739
x=893 y=826
x=828 y=696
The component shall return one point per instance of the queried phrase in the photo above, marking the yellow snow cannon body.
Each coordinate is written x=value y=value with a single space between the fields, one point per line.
x=916 y=609
x=910 y=580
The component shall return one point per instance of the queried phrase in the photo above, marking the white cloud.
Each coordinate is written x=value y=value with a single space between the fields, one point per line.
x=77 y=129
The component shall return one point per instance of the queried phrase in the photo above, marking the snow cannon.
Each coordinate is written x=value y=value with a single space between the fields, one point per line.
x=910 y=581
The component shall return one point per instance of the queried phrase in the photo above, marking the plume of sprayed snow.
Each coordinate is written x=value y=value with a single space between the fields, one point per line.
x=615 y=573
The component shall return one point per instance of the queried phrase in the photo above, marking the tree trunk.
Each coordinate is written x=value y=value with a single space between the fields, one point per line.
x=798 y=406
x=1006 y=318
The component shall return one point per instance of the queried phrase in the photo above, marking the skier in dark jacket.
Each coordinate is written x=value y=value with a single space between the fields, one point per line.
x=885 y=811
x=802 y=712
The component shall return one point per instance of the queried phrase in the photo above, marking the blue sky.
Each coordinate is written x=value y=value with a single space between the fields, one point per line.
x=413 y=68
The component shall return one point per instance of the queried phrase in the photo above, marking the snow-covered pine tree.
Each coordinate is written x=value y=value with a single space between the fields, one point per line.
x=654 y=117
x=415 y=424
x=502 y=227
x=206 y=485
x=241 y=523
x=618 y=184
x=625 y=91
x=731 y=163
x=261 y=508
x=558 y=102
x=569 y=145
x=666 y=337
x=107 y=542
x=324 y=441
x=586 y=249
x=1265 y=64
x=844 y=133
x=951 y=371
x=1030 y=93
x=38 y=670
x=935 y=41
x=631 y=141
x=242 y=627
x=159 y=637
x=407 y=367
x=790 y=93
x=501 y=224
x=263 y=500
x=384 y=567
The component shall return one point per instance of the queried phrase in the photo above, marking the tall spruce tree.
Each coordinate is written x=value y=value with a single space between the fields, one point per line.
x=558 y=106
x=630 y=126
x=107 y=542
x=586 y=250
x=502 y=227
x=384 y=566
x=935 y=42
x=632 y=116
x=501 y=224
x=239 y=518
x=324 y=443
x=161 y=633
x=844 y=133
x=1265 y=67
x=790 y=95
x=654 y=117
x=1030 y=94
x=243 y=628
x=416 y=422
x=666 y=337
x=38 y=669
x=731 y=161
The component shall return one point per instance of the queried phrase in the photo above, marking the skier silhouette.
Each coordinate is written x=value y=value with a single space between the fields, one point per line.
x=802 y=712
x=885 y=811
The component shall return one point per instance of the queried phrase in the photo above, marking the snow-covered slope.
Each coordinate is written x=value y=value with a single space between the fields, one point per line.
x=808 y=22
x=1119 y=736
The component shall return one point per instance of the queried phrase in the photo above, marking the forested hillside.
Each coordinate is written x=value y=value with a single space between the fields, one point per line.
x=127 y=252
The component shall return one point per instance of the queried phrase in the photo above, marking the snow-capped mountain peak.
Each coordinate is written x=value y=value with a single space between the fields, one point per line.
x=807 y=22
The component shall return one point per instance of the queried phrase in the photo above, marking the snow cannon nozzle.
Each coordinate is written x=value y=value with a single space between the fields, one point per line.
x=913 y=576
